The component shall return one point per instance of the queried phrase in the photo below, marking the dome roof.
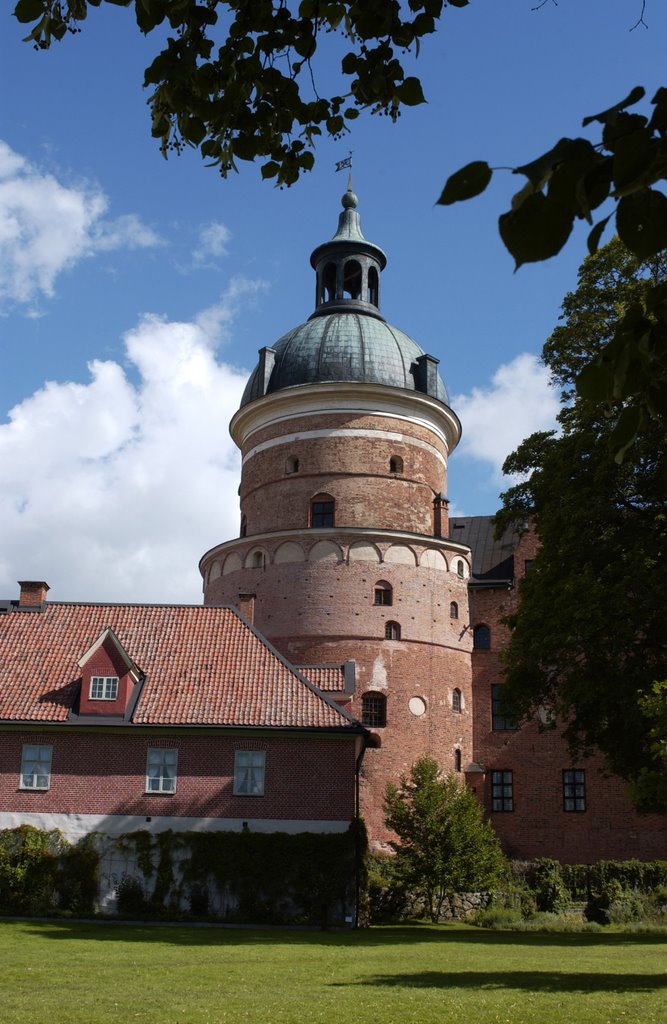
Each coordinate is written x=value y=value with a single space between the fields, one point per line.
x=346 y=346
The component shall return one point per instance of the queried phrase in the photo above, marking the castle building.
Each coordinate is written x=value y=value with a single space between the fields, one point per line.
x=352 y=627
x=347 y=555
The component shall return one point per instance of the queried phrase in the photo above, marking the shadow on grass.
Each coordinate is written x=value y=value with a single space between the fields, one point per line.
x=390 y=936
x=531 y=981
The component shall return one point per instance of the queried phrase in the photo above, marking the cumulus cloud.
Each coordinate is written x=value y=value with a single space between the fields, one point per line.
x=518 y=401
x=47 y=227
x=113 y=489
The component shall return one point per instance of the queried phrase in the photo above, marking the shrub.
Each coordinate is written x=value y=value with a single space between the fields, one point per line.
x=551 y=893
x=131 y=898
x=497 y=918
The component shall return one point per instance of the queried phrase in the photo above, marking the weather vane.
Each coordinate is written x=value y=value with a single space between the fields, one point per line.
x=347 y=162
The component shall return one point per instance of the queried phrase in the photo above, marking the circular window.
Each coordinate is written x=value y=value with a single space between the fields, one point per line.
x=417 y=706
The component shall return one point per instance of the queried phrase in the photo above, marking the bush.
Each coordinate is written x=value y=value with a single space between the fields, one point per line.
x=498 y=918
x=613 y=904
x=387 y=897
x=551 y=892
x=131 y=898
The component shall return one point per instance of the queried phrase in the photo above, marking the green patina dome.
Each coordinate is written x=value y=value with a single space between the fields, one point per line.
x=346 y=339
x=343 y=346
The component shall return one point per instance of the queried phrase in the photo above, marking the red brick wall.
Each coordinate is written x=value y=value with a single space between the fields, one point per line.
x=609 y=828
x=307 y=776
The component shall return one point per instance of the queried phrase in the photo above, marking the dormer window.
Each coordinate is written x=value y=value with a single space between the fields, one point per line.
x=103 y=687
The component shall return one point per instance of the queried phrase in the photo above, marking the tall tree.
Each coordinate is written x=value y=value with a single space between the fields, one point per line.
x=589 y=638
x=444 y=844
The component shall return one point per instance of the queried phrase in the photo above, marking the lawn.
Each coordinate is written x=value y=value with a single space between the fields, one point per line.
x=68 y=973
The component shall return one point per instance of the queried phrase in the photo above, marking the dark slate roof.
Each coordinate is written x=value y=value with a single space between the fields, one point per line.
x=341 y=347
x=492 y=560
x=202 y=666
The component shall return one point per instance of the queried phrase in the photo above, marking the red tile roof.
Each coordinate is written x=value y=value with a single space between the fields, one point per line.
x=202 y=666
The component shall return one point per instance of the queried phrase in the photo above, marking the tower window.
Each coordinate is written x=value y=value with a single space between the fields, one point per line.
x=392 y=631
x=460 y=568
x=291 y=465
x=457 y=760
x=396 y=464
x=374 y=710
x=373 y=293
x=481 y=638
x=456 y=701
x=322 y=511
x=383 y=593
x=258 y=560
x=329 y=282
x=352 y=279
x=453 y=610
x=244 y=526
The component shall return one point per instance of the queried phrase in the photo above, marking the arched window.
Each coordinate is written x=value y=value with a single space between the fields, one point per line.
x=396 y=464
x=456 y=701
x=392 y=631
x=374 y=710
x=373 y=292
x=258 y=560
x=352 y=279
x=382 y=593
x=291 y=464
x=481 y=638
x=453 y=610
x=457 y=760
x=460 y=568
x=329 y=282
x=322 y=511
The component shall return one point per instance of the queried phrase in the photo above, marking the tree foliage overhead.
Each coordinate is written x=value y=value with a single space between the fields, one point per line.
x=444 y=844
x=238 y=78
x=589 y=638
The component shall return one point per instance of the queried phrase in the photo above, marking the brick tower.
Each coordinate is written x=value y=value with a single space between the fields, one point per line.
x=343 y=555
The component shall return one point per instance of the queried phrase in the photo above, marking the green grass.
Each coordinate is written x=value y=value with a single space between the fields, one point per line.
x=67 y=973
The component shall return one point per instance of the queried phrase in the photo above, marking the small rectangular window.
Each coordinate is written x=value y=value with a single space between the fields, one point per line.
x=574 y=789
x=500 y=720
x=502 y=791
x=322 y=514
x=249 y=772
x=104 y=687
x=36 y=766
x=161 y=765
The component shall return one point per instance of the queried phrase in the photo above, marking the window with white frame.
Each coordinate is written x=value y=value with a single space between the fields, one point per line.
x=104 y=687
x=161 y=766
x=249 y=772
x=36 y=766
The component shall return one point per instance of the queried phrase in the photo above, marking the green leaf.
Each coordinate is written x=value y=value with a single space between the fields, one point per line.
x=536 y=230
x=540 y=169
x=410 y=92
x=596 y=381
x=607 y=116
x=633 y=157
x=270 y=169
x=466 y=183
x=658 y=122
x=29 y=10
x=625 y=432
x=593 y=240
x=193 y=130
x=641 y=222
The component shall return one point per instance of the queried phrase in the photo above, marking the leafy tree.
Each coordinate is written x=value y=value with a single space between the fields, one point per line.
x=589 y=636
x=444 y=844
x=237 y=78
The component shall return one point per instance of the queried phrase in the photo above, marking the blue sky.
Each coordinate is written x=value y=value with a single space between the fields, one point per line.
x=135 y=293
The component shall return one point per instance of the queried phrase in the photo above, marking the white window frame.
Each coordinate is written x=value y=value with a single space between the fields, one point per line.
x=108 y=685
x=161 y=770
x=249 y=772
x=39 y=756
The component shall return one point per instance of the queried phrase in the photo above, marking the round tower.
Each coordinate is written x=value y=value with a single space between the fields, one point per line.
x=344 y=555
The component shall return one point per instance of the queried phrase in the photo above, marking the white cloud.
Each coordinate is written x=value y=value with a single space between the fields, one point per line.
x=213 y=239
x=518 y=402
x=112 y=490
x=46 y=227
